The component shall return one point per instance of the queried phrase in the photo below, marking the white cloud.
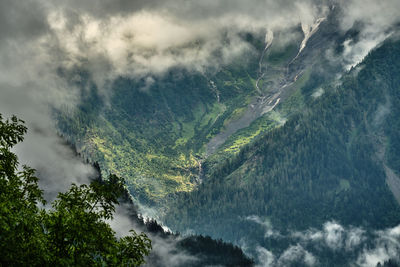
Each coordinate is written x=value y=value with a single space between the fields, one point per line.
x=296 y=254
x=333 y=234
x=355 y=237
x=319 y=92
x=386 y=246
x=145 y=39
x=165 y=250
x=355 y=52
x=144 y=44
x=265 y=257
x=369 y=247
x=293 y=254
x=266 y=224
x=376 y=19
x=28 y=88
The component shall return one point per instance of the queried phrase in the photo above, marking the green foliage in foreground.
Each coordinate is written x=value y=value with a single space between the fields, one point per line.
x=74 y=232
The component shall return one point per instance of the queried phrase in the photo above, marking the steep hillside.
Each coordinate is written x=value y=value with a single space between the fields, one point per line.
x=88 y=224
x=171 y=249
x=158 y=131
x=335 y=160
x=154 y=136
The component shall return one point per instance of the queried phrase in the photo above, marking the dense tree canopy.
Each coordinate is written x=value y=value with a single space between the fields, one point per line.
x=325 y=163
x=73 y=232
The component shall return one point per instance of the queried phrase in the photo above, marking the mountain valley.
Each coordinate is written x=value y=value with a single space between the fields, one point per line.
x=242 y=134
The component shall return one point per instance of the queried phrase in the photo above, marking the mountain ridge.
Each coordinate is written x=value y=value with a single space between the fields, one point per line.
x=320 y=165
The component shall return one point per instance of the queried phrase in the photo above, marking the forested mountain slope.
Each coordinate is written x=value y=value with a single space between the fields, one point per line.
x=86 y=226
x=326 y=163
x=262 y=130
x=171 y=249
x=153 y=135
x=157 y=132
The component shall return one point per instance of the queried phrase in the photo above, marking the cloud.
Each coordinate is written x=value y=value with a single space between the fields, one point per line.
x=375 y=14
x=317 y=93
x=293 y=254
x=359 y=246
x=144 y=39
x=376 y=21
x=143 y=44
x=56 y=164
x=355 y=51
x=266 y=224
x=28 y=87
x=22 y=20
x=265 y=257
x=386 y=246
x=333 y=235
x=190 y=10
x=355 y=238
x=165 y=250
x=166 y=253
x=296 y=254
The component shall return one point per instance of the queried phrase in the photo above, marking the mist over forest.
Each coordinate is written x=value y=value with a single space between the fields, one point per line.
x=233 y=133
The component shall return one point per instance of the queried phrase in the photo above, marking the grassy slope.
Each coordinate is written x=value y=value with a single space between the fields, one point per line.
x=154 y=137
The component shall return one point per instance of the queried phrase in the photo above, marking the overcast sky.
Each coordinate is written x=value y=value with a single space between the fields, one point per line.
x=138 y=39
